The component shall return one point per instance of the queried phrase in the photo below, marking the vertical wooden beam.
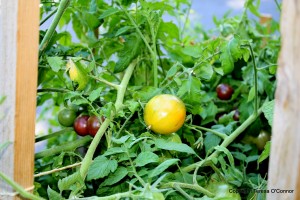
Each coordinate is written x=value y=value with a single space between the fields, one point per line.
x=284 y=166
x=26 y=87
x=19 y=27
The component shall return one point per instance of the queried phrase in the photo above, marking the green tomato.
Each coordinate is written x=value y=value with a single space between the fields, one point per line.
x=222 y=191
x=262 y=139
x=66 y=117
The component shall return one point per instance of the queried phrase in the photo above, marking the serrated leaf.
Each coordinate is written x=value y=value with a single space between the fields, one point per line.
x=268 y=110
x=120 y=140
x=173 y=146
x=95 y=94
x=210 y=141
x=172 y=71
x=145 y=158
x=101 y=167
x=123 y=30
x=53 y=195
x=191 y=51
x=132 y=46
x=162 y=167
x=113 y=150
x=108 y=13
x=239 y=156
x=55 y=63
x=252 y=158
x=115 y=177
x=266 y=152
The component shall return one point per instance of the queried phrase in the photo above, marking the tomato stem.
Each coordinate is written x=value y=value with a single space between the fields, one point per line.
x=226 y=142
x=87 y=160
x=217 y=133
x=21 y=191
x=195 y=187
x=46 y=137
x=63 y=147
x=60 y=11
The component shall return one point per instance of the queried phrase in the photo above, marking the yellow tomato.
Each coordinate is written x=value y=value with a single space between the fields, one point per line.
x=165 y=114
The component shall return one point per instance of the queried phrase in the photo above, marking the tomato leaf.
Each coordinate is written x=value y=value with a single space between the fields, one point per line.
x=56 y=63
x=227 y=152
x=173 y=146
x=95 y=94
x=162 y=167
x=52 y=194
x=268 y=110
x=133 y=45
x=266 y=152
x=145 y=158
x=101 y=167
x=115 y=177
x=109 y=12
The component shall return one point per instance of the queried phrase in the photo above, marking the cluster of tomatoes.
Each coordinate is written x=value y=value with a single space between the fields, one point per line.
x=83 y=124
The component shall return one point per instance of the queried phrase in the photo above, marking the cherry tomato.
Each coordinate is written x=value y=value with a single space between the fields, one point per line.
x=66 y=117
x=262 y=139
x=93 y=125
x=224 y=91
x=236 y=115
x=164 y=114
x=81 y=125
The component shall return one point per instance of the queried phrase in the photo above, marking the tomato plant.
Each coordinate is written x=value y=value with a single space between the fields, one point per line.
x=164 y=114
x=160 y=84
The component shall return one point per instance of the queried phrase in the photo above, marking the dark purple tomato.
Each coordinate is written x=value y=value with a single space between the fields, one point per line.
x=224 y=91
x=93 y=125
x=236 y=115
x=81 y=125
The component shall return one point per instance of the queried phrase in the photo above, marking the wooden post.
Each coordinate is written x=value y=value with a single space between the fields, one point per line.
x=284 y=166
x=19 y=36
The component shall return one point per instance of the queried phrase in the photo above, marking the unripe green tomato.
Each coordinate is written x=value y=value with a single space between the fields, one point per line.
x=66 y=117
x=262 y=139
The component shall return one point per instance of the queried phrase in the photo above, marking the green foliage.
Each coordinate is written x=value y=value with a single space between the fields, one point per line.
x=130 y=161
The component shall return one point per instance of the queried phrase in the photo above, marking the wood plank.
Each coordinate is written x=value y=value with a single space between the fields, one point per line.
x=26 y=87
x=8 y=40
x=285 y=151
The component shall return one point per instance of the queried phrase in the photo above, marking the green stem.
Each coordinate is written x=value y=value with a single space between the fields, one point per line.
x=255 y=80
x=45 y=137
x=180 y=190
x=277 y=4
x=46 y=18
x=226 y=142
x=138 y=30
x=154 y=54
x=221 y=135
x=63 y=147
x=105 y=82
x=52 y=90
x=113 y=197
x=118 y=105
x=195 y=187
x=19 y=188
x=61 y=9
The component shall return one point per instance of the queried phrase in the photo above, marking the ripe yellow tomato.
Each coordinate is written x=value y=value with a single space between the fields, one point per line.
x=164 y=114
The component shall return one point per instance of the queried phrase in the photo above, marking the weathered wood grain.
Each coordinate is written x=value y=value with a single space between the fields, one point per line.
x=285 y=150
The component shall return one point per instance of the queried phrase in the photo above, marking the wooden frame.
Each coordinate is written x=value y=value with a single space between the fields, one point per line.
x=19 y=26
x=284 y=164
